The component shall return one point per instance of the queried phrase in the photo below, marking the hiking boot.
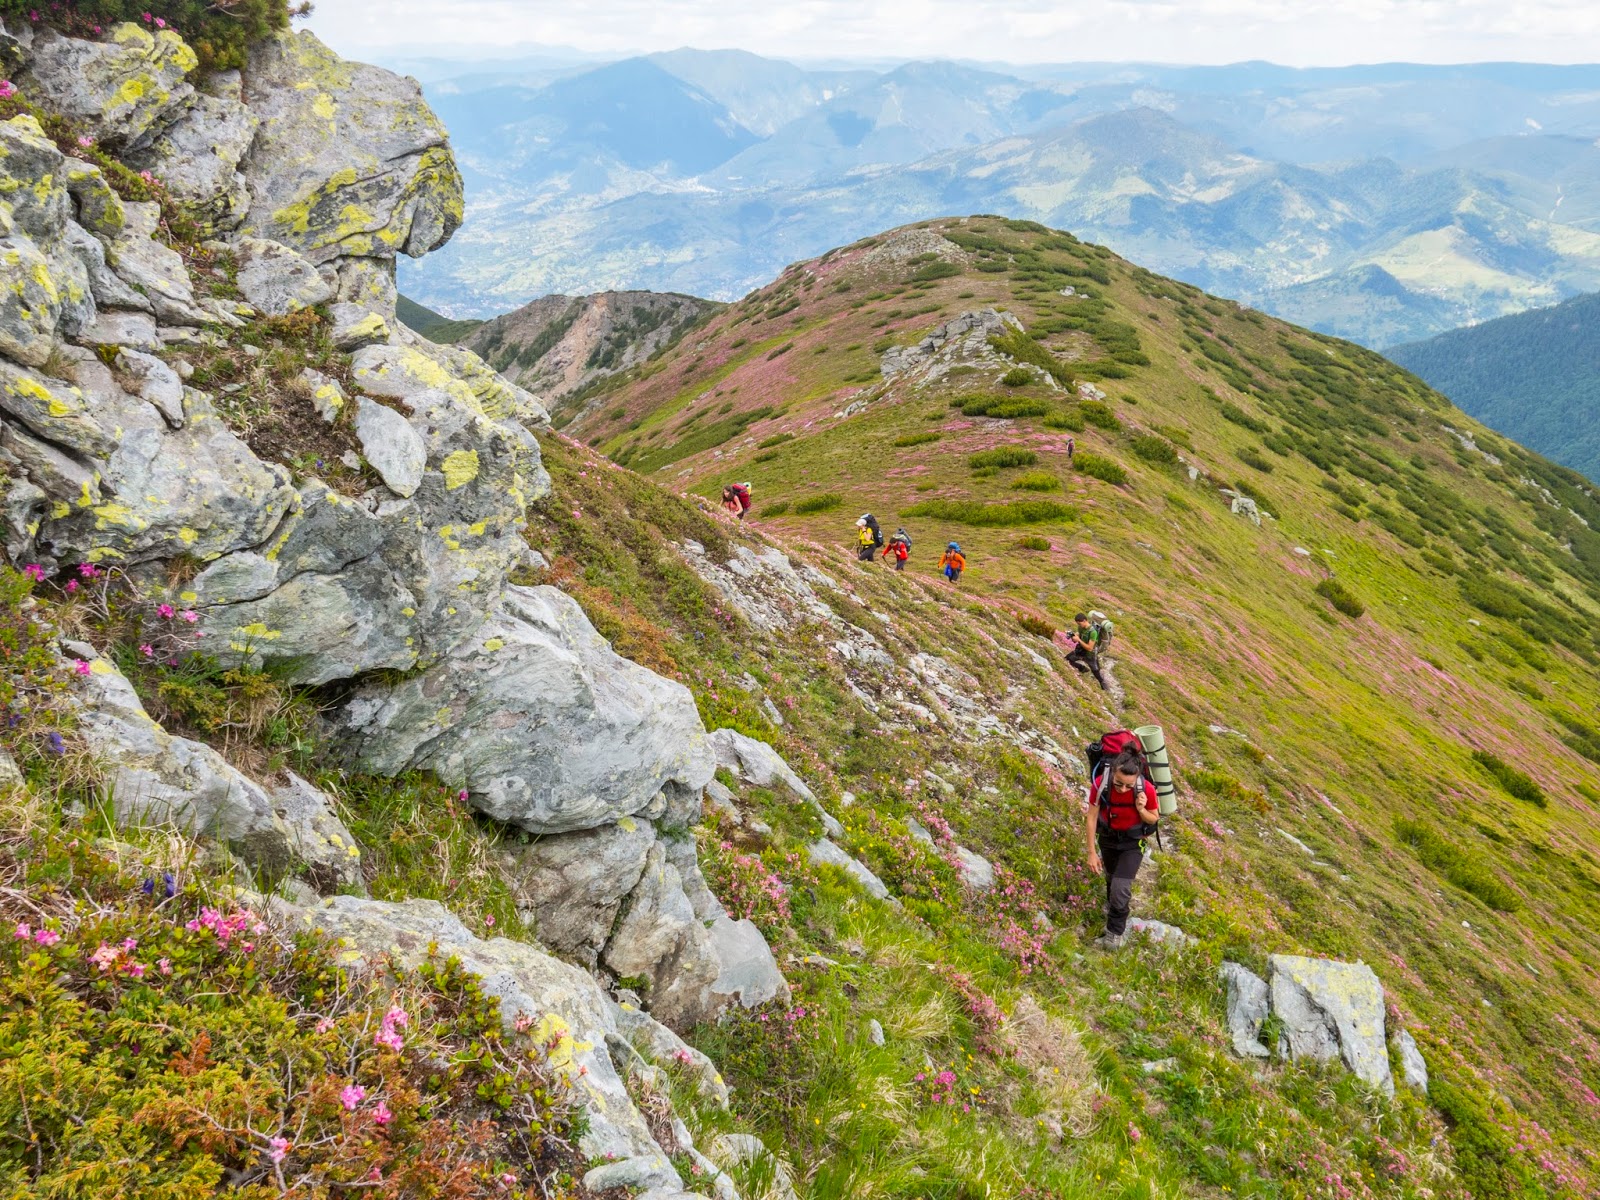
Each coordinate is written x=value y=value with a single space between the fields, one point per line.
x=1110 y=941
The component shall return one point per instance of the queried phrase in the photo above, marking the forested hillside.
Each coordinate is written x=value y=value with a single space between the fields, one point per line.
x=1534 y=376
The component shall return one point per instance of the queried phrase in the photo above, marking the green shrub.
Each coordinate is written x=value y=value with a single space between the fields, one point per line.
x=1511 y=779
x=1036 y=481
x=1251 y=457
x=1457 y=865
x=918 y=439
x=781 y=350
x=1336 y=594
x=975 y=512
x=1016 y=377
x=1232 y=412
x=1155 y=450
x=1002 y=456
x=821 y=503
x=1099 y=414
x=1174 y=433
x=1005 y=408
x=1225 y=786
x=775 y=509
x=1066 y=418
x=776 y=439
x=1100 y=468
x=1032 y=542
x=1014 y=343
x=935 y=270
x=1037 y=627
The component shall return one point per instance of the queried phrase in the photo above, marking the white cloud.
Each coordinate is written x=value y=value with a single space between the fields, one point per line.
x=1301 y=32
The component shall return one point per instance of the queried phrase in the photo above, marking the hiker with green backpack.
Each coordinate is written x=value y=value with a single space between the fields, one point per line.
x=1123 y=808
x=1089 y=641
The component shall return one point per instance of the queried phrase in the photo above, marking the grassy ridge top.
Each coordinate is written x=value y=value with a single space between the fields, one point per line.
x=1376 y=669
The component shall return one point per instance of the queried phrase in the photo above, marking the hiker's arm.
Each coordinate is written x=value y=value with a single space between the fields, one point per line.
x=1148 y=815
x=1090 y=813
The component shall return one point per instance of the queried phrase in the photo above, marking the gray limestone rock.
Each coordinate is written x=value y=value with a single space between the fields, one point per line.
x=758 y=763
x=153 y=778
x=155 y=381
x=1413 y=1067
x=1158 y=931
x=327 y=397
x=197 y=156
x=355 y=326
x=1333 y=1010
x=318 y=837
x=824 y=851
x=567 y=1014
x=572 y=885
x=154 y=270
x=388 y=442
x=976 y=871
x=746 y=971
x=660 y=1044
x=54 y=410
x=56 y=475
x=124 y=89
x=546 y=726
x=662 y=940
x=133 y=330
x=349 y=161
x=276 y=279
x=199 y=487
x=875 y=1032
x=1247 y=1008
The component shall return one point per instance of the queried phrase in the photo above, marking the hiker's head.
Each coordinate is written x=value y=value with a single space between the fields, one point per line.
x=1082 y=619
x=727 y=493
x=861 y=522
x=1126 y=770
x=953 y=546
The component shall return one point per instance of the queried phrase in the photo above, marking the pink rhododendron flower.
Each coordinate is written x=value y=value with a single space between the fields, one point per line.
x=165 y=611
x=352 y=1097
x=33 y=570
x=381 y=1113
x=280 y=1148
x=47 y=937
x=23 y=931
x=164 y=966
x=72 y=586
x=147 y=650
x=81 y=667
x=190 y=615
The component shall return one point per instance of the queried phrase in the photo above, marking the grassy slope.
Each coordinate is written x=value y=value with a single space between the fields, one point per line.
x=434 y=326
x=1359 y=721
x=1534 y=376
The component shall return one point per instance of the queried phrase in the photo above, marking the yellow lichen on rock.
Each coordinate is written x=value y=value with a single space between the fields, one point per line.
x=460 y=469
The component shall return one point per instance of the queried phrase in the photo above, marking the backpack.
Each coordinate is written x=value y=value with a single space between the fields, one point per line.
x=904 y=539
x=1100 y=756
x=1106 y=630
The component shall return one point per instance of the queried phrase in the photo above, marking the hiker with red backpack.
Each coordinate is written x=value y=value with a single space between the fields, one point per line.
x=736 y=499
x=1121 y=811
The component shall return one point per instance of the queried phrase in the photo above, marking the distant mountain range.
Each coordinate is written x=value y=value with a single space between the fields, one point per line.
x=1381 y=203
x=1534 y=377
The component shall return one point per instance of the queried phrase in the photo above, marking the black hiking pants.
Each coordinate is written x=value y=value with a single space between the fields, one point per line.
x=1087 y=662
x=1121 y=855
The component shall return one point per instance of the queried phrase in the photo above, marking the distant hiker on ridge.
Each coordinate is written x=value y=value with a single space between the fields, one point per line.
x=1119 y=812
x=953 y=563
x=1085 y=653
x=1072 y=448
x=869 y=536
x=736 y=499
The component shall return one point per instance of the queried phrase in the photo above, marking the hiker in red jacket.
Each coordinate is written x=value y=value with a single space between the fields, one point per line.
x=1121 y=811
x=736 y=499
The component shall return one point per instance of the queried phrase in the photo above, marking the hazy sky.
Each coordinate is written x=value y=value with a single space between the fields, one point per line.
x=1298 y=32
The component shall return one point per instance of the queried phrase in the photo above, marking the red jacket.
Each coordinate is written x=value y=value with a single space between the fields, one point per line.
x=898 y=549
x=1118 y=809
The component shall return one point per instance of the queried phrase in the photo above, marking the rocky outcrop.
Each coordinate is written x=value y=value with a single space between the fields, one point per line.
x=961 y=341
x=570 y=887
x=825 y=853
x=349 y=162
x=1332 y=1010
x=155 y=779
x=1248 y=1008
x=546 y=727
x=1413 y=1067
x=125 y=89
x=757 y=763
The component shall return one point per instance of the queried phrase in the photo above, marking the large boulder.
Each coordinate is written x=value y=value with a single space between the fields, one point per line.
x=569 y=1019
x=197 y=157
x=663 y=942
x=348 y=161
x=153 y=778
x=1332 y=1010
x=570 y=887
x=196 y=489
x=1248 y=1008
x=541 y=721
x=276 y=279
x=124 y=90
